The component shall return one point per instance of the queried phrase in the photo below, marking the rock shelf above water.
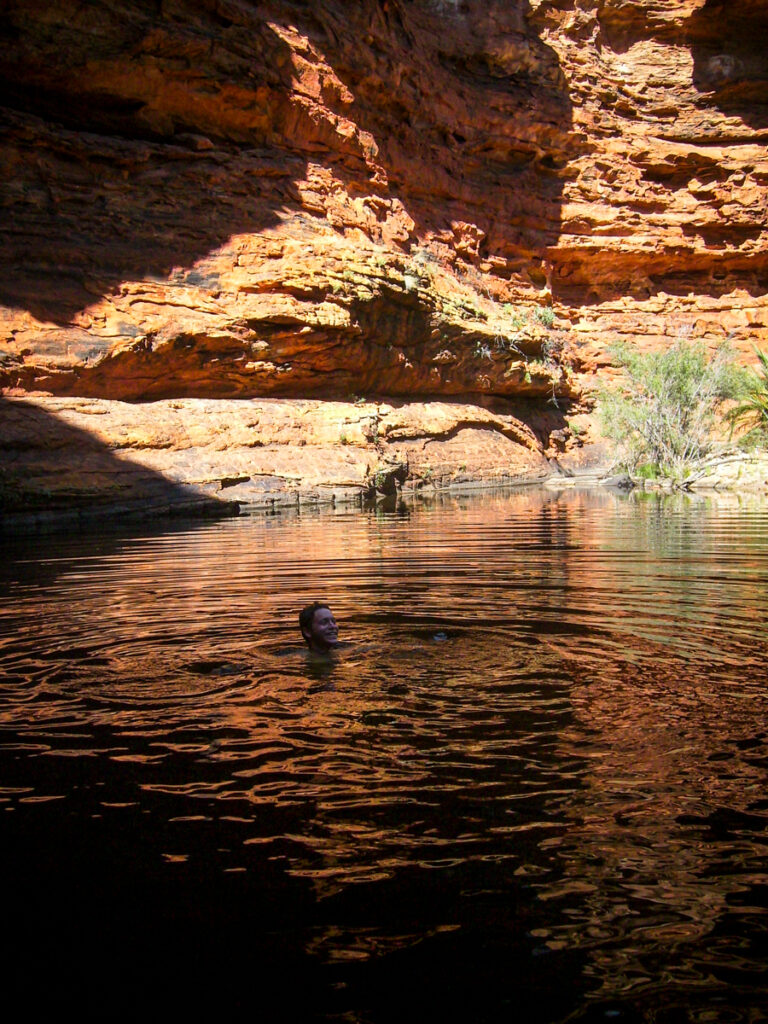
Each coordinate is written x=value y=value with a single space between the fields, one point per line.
x=91 y=453
x=221 y=206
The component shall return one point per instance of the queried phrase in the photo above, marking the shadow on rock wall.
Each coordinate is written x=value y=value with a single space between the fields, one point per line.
x=470 y=112
x=52 y=473
x=730 y=63
x=140 y=137
x=727 y=42
x=109 y=168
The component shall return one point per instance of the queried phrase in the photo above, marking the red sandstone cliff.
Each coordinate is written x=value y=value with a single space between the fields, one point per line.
x=229 y=199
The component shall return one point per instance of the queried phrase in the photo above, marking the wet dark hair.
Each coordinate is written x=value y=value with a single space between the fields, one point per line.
x=307 y=614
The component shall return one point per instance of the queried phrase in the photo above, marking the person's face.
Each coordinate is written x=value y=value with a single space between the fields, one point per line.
x=325 y=632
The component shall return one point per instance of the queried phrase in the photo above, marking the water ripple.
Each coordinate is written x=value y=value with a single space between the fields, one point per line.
x=546 y=741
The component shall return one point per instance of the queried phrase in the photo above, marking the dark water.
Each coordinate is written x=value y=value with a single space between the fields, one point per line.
x=534 y=789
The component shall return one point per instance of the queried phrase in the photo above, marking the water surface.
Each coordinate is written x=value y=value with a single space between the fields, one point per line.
x=532 y=788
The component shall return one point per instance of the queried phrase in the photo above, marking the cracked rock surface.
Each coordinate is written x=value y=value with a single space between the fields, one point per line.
x=382 y=202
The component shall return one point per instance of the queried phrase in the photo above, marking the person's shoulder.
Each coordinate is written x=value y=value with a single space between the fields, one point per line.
x=296 y=650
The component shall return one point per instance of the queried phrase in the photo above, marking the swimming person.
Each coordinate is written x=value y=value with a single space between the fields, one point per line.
x=318 y=627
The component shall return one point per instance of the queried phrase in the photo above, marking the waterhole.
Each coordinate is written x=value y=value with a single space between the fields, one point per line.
x=531 y=787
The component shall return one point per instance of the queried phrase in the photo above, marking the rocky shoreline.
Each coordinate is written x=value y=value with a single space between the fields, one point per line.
x=66 y=462
x=259 y=255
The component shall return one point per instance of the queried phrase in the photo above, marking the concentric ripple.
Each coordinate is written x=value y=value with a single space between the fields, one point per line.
x=533 y=780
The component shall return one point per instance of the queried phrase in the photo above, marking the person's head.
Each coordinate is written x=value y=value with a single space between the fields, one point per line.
x=318 y=627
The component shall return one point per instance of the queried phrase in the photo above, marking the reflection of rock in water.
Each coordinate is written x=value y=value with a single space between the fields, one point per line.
x=473 y=818
x=656 y=821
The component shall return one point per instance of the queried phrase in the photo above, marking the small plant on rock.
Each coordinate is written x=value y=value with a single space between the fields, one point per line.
x=538 y=368
x=545 y=315
x=505 y=344
x=552 y=348
x=516 y=319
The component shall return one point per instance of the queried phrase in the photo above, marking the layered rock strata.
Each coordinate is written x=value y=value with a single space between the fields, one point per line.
x=179 y=455
x=434 y=200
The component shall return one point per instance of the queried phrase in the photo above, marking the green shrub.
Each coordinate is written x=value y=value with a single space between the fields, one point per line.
x=752 y=409
x=545 y=315
x=517 y=319
x=667 y=409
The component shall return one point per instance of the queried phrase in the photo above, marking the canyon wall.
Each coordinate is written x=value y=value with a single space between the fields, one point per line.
x=443 y=201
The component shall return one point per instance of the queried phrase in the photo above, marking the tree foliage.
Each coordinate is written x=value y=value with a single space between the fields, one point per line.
x=752 y=409
x=664 y=414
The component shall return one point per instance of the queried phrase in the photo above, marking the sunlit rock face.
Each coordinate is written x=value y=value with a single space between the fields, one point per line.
x=225 y=199
x=90 y=454
x=237 y=199
x=663 y=221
